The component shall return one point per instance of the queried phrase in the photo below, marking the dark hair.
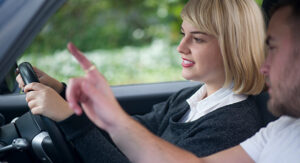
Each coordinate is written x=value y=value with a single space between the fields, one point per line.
x=294 y=4
x=267 y=5
x=294 y=17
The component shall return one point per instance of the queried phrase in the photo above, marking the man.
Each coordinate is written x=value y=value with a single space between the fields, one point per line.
x=278 y=142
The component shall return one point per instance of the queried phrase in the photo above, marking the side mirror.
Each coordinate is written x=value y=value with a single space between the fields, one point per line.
x=9 y=84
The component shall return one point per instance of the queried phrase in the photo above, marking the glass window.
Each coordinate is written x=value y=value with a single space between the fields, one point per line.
x=130 y=41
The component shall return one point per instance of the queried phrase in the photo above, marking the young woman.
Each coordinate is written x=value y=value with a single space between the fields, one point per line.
x=222 y=46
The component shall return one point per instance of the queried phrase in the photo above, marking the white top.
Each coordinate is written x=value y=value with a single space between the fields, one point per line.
x=278 y=142
x=200 y=107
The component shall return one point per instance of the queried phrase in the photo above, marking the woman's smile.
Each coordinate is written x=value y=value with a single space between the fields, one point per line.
x=187 y=63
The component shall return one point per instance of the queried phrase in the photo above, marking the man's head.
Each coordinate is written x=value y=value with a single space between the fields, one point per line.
x=282 y=66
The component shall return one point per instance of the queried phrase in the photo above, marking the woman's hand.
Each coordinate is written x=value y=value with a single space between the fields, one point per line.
x=44 y=79
x=45 y=101
x=93 y=94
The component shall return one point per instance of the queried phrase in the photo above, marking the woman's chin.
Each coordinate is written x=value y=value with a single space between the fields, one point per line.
x=191 y=77
x=188 y=76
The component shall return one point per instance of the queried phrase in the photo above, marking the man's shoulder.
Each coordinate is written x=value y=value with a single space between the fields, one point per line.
x=283 y=125
x=284 y=122
x=279 y=140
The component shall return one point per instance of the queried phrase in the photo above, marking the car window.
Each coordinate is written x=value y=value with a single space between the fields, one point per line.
x=129 y=41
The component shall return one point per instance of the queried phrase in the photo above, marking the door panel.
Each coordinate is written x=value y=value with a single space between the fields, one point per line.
x=139 y=99
x=135 y=99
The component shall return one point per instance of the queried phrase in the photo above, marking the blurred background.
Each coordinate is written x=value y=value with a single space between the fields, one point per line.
x=130 y=41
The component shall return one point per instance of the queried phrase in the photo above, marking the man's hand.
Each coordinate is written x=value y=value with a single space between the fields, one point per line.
x=94 y=94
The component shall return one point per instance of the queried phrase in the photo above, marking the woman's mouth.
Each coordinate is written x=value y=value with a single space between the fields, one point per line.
x=187 y=63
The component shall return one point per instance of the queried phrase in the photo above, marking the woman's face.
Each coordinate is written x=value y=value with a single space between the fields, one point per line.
x=201 y=55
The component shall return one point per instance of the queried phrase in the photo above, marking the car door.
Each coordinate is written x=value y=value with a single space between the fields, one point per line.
x=135 y=99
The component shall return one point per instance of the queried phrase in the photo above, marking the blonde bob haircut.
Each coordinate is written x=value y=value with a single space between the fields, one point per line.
x=240 y=29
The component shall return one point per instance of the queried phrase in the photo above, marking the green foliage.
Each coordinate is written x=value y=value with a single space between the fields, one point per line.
x=156 y=62
x=259 y=2
x=130 y=41
x=109 y=24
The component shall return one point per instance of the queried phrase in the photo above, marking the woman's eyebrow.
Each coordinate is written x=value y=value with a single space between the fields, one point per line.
x=195 y=32
x=198 y=32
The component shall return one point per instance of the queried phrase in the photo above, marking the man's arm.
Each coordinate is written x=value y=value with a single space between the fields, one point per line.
x=232 y=155
x=140 y=145
x=136 y=142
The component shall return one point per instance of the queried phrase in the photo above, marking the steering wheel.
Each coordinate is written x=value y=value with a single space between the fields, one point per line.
x=47 y=140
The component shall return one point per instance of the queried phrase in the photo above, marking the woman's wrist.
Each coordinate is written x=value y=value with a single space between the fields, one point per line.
x=67 y=113
x=62 y=111
x=58 y=87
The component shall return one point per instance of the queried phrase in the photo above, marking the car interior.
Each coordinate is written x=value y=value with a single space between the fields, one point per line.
x=25 y=137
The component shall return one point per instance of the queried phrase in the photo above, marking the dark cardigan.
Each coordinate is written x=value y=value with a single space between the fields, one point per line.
x=216 y=131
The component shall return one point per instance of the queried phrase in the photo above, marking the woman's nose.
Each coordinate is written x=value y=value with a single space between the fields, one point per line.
x=183 y=48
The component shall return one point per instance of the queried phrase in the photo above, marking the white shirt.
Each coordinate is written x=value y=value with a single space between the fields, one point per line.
x=200 y=107
x=278 y=142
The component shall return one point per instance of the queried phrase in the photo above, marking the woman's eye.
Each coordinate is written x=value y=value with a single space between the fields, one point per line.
x=199 y=40
x=181 y=33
